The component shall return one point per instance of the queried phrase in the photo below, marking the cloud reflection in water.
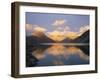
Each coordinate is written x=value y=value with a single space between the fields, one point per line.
x=59 y=55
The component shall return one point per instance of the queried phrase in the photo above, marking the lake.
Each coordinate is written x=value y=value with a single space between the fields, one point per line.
x=57 y=55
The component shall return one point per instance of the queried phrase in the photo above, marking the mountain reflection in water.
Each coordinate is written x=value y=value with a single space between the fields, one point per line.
x=52 y=55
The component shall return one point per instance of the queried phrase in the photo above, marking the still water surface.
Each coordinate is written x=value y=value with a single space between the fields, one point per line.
x=56 y=55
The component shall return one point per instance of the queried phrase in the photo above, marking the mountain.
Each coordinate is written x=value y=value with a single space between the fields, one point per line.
x=42 y=38
x=67 y=40
x=85 y=49
x=35 y=40
x=84 y=38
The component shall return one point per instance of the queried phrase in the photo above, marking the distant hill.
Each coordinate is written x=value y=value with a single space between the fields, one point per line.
x=84 y=38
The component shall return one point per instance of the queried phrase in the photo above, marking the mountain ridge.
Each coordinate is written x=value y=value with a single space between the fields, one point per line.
x=35 y=40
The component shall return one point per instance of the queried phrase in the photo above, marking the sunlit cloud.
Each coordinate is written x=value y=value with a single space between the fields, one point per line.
x=56 y=35
x=59 y=22
x=39 y=28
x=62 y=33
x=35 y=30
x=71 y=35
x=38 y=31
x=29 y=27
x=84 y=28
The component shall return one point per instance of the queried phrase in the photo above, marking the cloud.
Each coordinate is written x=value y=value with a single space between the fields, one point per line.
x=71 y=34
x=29 y=27
x=61 y=34
x=66 y=28
x=56 y=35
x=59 y=22
x=84 y=28
x=39 y=28
x=35 y=30
x=38 y=31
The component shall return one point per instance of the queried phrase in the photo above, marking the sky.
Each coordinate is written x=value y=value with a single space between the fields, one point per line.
x=55 y=23
x=47 y=19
